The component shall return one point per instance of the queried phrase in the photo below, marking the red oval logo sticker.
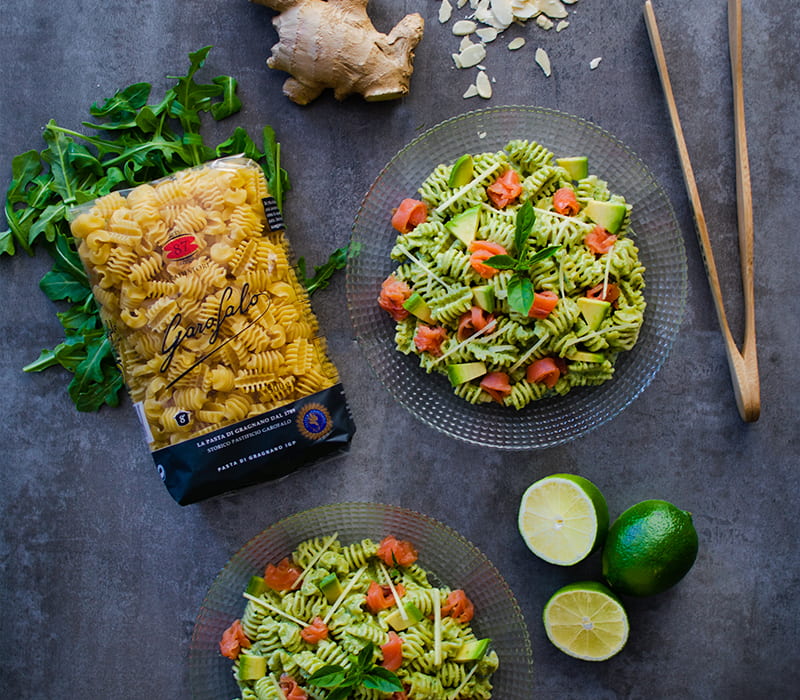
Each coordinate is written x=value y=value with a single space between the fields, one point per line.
x=180 y=247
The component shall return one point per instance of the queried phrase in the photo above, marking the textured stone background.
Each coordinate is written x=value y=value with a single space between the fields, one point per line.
x=102 y=573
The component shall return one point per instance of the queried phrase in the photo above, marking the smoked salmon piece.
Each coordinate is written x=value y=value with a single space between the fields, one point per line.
x=430 y=339
x=315 y=632
x=233 y=640
x=599 y=241
x=496 y=384
x=505 y=189
x=392 y=552
x=472 y=321
x=281 y=577
x=543 y=304
x=482 y=251
x=565 y=202
x=410 y=214
x=394 y=293
x=380 y=597
x=545 y=371
x=458 y=606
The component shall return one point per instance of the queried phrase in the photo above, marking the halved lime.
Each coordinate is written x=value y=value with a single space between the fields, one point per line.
x=563 y=518
x=587 y=621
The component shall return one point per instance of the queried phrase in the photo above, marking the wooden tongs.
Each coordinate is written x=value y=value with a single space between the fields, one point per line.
x=743 y=365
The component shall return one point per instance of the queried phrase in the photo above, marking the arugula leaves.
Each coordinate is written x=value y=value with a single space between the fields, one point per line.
x=137 y=141
x=323 y=273
x=362 y=671
x=520 y=287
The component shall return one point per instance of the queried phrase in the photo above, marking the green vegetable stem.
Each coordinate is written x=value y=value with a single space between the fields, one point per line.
x=137 y=141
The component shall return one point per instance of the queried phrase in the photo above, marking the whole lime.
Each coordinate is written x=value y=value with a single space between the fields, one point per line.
x=649 y=548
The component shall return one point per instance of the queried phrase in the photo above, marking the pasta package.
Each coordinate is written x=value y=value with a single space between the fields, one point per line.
x=215 y=336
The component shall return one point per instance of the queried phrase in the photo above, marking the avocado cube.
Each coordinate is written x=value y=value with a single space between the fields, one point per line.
x=256 y=586
x=251 y=667
x=465 y=372
x=583 y=356
x=609 y=215
x=416 y=306
x=473 y=650
x=594 y=311
x=577 y=167
x=461 y=172
x=399 y=623
x=330 y=587
x=484 y=297
x=464 y=226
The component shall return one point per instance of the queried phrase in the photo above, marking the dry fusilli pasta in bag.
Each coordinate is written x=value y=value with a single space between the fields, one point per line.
x=216 y=339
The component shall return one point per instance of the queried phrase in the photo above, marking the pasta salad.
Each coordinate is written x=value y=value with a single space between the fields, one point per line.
x=517 y=276
x=359 y=621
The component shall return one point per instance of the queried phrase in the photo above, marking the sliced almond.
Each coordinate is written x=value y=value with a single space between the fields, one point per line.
x=486 y=34
x=502 y=11
x=515 y=44
x=445 y=11
x=525 y=9
x=595 y=62
x=471 y=91
x=543 y=60
x=464 y=27
x=552 y=8
x=472 y=55
x=544 y=22
x=483 y=85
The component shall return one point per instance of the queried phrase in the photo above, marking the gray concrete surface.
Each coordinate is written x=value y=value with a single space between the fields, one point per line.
x=102 y=573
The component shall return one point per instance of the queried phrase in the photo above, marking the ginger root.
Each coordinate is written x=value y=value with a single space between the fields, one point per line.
x=333 y=44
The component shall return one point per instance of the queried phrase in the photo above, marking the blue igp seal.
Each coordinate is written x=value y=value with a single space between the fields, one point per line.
x=314 y=421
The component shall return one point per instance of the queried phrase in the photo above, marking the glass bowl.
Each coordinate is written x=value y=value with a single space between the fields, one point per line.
x=551 y=421
x=449 y=558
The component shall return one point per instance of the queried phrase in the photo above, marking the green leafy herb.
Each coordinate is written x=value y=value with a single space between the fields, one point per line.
x=361 y=671
x=520 y=287
x=323 y=273
x=136 y=141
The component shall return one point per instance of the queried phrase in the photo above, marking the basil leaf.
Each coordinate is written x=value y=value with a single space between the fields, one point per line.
x=329 y=676
x=501 y=262
x=520 y=294
x=542 y=254
x=339 y=694
x=365 y=657
x=526 y=217
x=382 y=679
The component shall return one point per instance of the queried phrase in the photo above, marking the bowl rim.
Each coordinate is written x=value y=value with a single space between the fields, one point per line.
x=666 y=342
x=206 y=610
